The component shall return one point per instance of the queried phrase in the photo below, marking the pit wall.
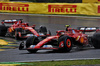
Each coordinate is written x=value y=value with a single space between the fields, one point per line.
x=51 y=8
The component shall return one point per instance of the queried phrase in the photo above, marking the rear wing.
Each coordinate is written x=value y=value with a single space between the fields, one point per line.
x=88 y=29
x=11 y=21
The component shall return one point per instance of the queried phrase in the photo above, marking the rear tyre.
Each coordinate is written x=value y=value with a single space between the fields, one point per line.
x=31 y=41
x=65 y=44
x=3 y=30
x=96 y=40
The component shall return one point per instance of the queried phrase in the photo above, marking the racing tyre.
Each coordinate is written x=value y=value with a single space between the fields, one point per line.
x=31 y=41
x=96 y=40
x=65 y=44
x=3 y=30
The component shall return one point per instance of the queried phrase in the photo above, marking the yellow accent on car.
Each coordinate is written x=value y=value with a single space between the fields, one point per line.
x=77 y=38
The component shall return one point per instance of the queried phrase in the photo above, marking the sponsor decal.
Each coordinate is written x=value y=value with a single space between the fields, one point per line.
x=14 y=7
x=62 y=8
x=77 y=38
x=98 y=8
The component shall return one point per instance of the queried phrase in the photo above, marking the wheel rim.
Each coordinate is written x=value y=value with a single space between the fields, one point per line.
x=61 y=44
x=68 y=43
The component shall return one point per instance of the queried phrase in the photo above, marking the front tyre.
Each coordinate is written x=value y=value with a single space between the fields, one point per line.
x=31 y=41
x=65 y=44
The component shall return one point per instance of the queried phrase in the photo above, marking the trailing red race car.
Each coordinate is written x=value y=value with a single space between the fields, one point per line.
x=95 y=38
x=62 y=41
x=19 y=30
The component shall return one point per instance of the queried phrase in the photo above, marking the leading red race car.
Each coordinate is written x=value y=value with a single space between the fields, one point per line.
x=19 y=30
x=62 y=41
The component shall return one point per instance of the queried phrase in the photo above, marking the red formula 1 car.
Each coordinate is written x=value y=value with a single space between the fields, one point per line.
x=62 y=41
x=95 y=37
x=19 y=30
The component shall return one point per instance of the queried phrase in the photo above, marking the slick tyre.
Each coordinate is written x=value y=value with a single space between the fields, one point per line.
x=3 y=30
x=65 y=44
x=96 y=40
x=31 y=41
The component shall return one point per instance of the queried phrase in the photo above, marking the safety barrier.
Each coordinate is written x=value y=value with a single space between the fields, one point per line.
x=51 y=8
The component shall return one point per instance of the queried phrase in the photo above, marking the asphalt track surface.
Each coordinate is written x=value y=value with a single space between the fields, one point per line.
x=53 y=24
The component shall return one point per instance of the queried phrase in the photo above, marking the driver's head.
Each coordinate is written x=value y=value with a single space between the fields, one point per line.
x=67 y=26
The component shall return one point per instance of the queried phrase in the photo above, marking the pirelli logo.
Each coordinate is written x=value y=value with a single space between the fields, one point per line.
x=62 y=8
x=14 y=7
